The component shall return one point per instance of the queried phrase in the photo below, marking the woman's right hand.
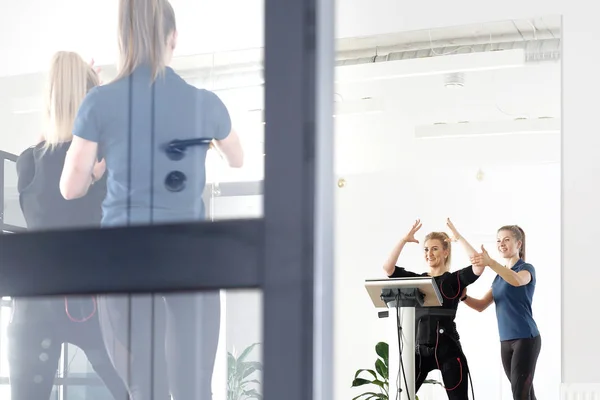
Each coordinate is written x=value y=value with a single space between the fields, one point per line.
x=410 y=236
x=482 y=259
x=455 y=235
x=97 y=70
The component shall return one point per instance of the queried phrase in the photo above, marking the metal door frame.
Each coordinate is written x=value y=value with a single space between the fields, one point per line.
x=288 y=254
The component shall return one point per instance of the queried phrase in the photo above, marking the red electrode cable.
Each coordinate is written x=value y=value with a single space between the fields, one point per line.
x=437 y=339
x=84 y=319
x=457 y=293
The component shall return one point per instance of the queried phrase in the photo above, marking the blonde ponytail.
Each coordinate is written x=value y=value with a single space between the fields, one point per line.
x=69 y=80
x=144 y=27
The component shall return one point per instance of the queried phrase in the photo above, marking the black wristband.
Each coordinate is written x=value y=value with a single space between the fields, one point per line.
x=464 y=298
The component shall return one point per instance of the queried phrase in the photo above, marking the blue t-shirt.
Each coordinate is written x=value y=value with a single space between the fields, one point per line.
x=513 y=306
x=132 y=119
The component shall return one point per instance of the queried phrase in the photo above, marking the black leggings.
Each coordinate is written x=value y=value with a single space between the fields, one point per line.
x=192 y=335
x=35 y=337
x=519 y=358
x=452 y=364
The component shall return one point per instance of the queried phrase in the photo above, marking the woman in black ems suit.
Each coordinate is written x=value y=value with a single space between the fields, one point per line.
x=39 y=326
x=437 y=340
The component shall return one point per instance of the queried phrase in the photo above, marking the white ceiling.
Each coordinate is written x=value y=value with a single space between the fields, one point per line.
x=539 y=28
x=386 y=141
x=529 y=91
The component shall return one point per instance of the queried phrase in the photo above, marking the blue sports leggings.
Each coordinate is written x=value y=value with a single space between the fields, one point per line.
x=131 y=331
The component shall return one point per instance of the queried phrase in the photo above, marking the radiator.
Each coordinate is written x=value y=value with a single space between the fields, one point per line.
x=580 y=391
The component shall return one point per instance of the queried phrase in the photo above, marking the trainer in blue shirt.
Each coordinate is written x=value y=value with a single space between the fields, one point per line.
x=512 y=292
x=130 y=122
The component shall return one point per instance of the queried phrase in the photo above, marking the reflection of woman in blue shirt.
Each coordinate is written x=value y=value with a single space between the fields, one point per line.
x=512 y=292
x=128 y=122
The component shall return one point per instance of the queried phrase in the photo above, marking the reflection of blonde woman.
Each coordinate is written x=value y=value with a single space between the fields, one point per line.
x=39 y=327
x=130 y=121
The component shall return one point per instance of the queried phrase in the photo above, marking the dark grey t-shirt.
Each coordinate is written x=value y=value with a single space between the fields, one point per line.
x=132 y=119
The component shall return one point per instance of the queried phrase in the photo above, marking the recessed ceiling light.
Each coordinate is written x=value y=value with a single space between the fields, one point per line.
x=454 y=80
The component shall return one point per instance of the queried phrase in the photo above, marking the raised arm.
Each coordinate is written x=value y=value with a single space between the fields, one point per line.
x=78 y=171
x=479 y=304
x=80 y=168
x=511 y=277
x=457 y=237
x=226 y=140
x=231 y=149
x=390 y=265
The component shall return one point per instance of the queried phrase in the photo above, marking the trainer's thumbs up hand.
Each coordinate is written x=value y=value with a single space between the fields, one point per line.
x=481 y=259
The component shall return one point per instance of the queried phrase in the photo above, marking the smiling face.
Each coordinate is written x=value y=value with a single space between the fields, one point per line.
x=436 y=255
x=508 y=245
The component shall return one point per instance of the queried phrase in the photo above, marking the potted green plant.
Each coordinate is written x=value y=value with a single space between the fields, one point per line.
x=241 y=383
x=378 y=378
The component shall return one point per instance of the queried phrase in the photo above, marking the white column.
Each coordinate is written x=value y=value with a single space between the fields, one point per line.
x=408 y=354
x=394 y=354
x=219 y=381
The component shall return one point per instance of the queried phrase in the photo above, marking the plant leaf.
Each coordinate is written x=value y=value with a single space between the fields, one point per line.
x=249 y=368
x=365 y=370
x=382 y=369
x=372 y=395
x=239 y=384
x=379 y=383
x=252 y=394
x=231 y=361
x=360 y=381
x=247 y=351
x=383 y=349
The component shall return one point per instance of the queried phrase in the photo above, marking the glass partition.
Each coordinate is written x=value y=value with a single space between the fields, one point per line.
x=82 y=368
x=212 y=94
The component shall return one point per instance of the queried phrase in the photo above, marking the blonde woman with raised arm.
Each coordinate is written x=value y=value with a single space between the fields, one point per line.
x=437 y=340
